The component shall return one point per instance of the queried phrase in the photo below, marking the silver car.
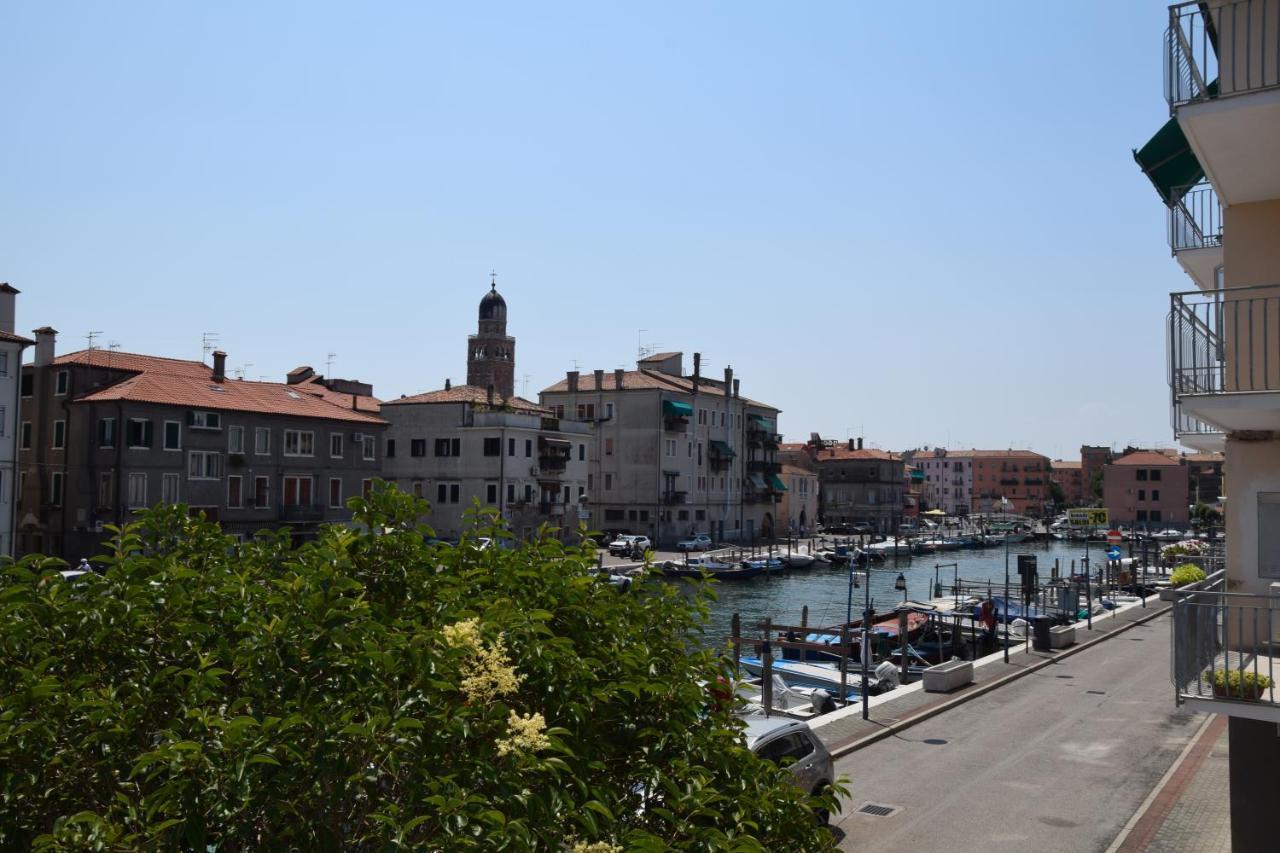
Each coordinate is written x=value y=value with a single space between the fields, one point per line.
x=791 y=743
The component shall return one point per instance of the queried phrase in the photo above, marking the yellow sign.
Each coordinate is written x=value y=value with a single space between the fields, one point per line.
x=1088 y=517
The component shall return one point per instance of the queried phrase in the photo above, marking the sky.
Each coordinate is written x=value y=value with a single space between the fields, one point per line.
x=917 y=223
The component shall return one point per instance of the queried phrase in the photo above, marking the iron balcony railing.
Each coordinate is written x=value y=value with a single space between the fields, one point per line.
x=1216 y=51
x=1186 y=425
x=1225 y=647
x=1195 y=219
x=1224 y=341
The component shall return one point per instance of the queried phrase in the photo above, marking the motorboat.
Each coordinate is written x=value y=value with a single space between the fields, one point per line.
x=807 y=674
x=890 y=548
x=695 y=567
x=766 y=565
x=1168 y=535
x=796 y=560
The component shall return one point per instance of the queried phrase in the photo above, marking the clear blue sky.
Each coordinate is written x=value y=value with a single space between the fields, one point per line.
x=920 y=222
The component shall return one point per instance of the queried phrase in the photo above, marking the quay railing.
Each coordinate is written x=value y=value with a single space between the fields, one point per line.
x=1195 y=218
x=1226 y=649
x=1221 y=50
x=1224 y=341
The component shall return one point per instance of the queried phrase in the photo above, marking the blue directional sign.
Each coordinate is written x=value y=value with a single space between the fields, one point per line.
x=1113 y=553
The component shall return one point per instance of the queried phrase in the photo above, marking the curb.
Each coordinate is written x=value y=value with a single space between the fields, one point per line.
x=926 y=713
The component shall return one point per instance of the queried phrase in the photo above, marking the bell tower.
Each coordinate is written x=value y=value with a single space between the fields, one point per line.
x=491 y=352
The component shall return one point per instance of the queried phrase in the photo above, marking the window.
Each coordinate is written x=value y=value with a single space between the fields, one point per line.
x=366 y=487
x=582 y=452
x=559 y=411
x=55 y=488
x=586 y=411
x=491 y=493
x=60 y=386
x=24 y=433
x=204 y=420
x=442 y=493
x=368 y=452
x=1269 y=534
x=493 y=447
x=1142 y=474
x=608 y=482
x=59 y=435
x=700 y=515
x=448 y=447
x=528 y=493
x=511 y=447
x=1155 y=515
x=262 y=492
x=172 y=435
x=608 y=447
x=417 y=488
x=613 y=515
x=453 y=493
x=1142 y=494
x=137 y=490
x=511 y=493
x=235 y=492
x=262 y=441
x=106 y=490
x=140 y=434
x=671 y=447
x=169 y=488
x=335 y=445
x=335 y=493
x=391 y=448
x=27 y=384
x=297 y=491
x=418 y=447
x=299 y=442
x=3 y=419
x=204 y=465
x=608 y=410
x=1155 y=494
x=235 y=439
x=528 y=448
x=1155 y=474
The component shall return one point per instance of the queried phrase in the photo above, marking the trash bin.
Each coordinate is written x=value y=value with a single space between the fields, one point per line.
x=1040 y=633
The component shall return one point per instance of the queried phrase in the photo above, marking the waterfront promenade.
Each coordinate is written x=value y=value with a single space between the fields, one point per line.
x=1065 y=751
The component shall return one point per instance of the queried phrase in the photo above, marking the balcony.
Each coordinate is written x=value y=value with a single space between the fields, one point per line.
x=1224 y=357
x=553 y=462
x=1224 y=645
x=674 y=497
x=301 y=512
x=1195 y=232
x=551 y=508
x=1195 y=433
x=1222 y=82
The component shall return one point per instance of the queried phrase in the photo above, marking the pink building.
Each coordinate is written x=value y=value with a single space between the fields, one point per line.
x=1146 y=488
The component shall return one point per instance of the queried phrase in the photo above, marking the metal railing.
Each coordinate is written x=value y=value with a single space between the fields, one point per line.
x=1195 y=220
x=1224 y=644
x=1224 y=341
x=1219 y=51
x=1186 y=425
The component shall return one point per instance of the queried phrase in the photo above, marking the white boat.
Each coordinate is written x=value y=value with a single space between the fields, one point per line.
x=799 y=561
x=806 y=673
x=1168 y=535
x=890 y=547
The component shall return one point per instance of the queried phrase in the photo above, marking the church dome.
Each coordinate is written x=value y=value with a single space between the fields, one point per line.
x=493 y=306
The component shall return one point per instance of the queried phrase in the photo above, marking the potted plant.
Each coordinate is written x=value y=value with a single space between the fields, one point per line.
x=1234 y=684
x=1183 y=575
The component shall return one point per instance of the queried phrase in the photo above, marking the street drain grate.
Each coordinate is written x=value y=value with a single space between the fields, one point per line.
x=1137 y=639
x=877 y=809
x=934 y=741
x=1097 y=692
x=1064 y=676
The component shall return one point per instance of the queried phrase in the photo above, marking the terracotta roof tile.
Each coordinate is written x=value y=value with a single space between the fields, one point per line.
x=471 y=394
x=995 y=454
x=647 y=380
x=10 y=337
x=838 y=453
x=178 y=382
x=1146 y=457
x=1065 y=464
x=315 y=386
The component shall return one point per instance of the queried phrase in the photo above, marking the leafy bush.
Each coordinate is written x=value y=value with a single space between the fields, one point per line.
x=1244 y=685
x=367 y=690
x=1183 y=575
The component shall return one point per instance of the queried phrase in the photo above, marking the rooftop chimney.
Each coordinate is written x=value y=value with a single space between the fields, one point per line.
x=447 y=385
x=573 y=381
x=852 y=444
x=697 y=370
x=46 y=339
x=599 y=380
x=735 y=389
x=7 y=294
x=859 y=442
x=219 y=365
x=617 y=379
x=728 y=381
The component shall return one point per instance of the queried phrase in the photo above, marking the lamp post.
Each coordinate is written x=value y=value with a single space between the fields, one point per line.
x=1006 y=597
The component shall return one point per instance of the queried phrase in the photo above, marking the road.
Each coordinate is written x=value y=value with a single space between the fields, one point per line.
x=1058 y=760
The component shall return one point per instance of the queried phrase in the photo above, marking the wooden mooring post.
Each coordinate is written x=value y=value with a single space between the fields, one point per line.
x=766 y=664
x=736 y=627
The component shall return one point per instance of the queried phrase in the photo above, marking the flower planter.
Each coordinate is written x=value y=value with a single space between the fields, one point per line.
x=1248 y=693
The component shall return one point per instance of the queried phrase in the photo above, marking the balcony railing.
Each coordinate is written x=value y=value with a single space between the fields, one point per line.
x=301 y=512
x=1195 y=220
x=674 y=497
x=1185 y=425
x=1222 y=50
x=551 y=462
x=763 y=467
x=1224 y=341
x=1225 y=649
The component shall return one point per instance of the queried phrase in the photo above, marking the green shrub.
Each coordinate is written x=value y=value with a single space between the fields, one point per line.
x=1185 y=574
x=1245 y=684
x=367 y=690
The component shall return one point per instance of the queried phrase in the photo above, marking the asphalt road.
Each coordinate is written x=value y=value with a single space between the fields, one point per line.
x=1046 y=763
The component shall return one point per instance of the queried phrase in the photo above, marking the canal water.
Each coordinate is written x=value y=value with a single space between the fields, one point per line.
x=826 y=590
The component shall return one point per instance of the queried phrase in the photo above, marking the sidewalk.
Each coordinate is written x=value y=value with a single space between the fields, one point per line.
x=845 y=731
x=1190 y=808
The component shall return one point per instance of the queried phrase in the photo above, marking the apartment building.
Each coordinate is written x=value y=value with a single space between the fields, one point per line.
x=1148 y=489
x=1093 y=458
x=1011 y=481
x=106 y=433
x=859 y=485
x=946 y=479
x=1205 y=474
x=1069 y=475
x=11 y=348
x=1214 y=165
x=798 y=506
x=675 y=453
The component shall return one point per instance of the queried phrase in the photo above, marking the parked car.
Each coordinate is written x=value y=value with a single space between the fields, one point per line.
x=861 y=527
x=792 y=744
x=696 y=542
x=628 y=544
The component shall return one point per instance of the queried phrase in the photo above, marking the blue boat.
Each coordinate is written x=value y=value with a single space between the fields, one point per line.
x=1007 y=610
x=770 y=565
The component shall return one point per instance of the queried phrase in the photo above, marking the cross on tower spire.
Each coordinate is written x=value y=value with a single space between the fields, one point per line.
x=493 y=280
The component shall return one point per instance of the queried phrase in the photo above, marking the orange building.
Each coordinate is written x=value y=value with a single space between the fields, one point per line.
x=1013 y=481
x=1070 y=476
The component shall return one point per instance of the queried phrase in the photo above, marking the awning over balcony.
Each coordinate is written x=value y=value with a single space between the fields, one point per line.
x=775 y=483
x=676 y=409
x=756 y=480
x=1167 y=159
x=559 y=443
x=760 y=420
x=719 y=448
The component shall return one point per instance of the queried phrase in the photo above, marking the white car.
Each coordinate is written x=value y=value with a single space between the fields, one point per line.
x=696 y=542
x=627 y=543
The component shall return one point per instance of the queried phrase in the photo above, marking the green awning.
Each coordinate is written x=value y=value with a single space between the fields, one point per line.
x=756 y=480
x=759 y=419
x=775 y=483
x=1167 y=159
x=719 y=448
x=676 y=409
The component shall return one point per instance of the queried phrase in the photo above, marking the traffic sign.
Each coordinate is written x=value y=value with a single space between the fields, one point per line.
x=1113 y=553
x=1114 y=537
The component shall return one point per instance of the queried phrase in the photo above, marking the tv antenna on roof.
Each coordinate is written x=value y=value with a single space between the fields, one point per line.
x=90 y=337
x=241 y=371
x=208 y=342
x=328 y=364
x=524 y=384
